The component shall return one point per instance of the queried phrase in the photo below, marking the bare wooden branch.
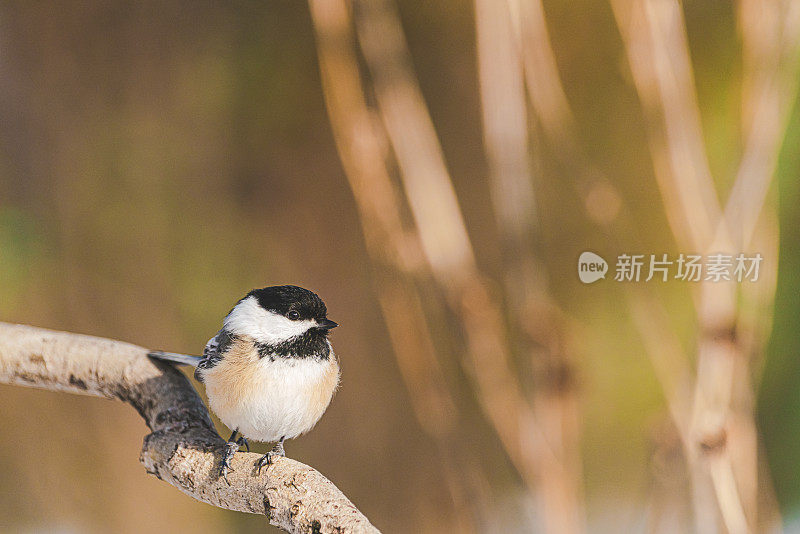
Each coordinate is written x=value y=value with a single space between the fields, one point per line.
x=184 y=448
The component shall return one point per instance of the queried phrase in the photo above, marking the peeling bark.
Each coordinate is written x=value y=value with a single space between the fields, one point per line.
x=183 y=448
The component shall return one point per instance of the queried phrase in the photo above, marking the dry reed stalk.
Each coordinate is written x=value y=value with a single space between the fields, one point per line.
x=771 y=59
x=770 y=56
x=438 y=219
x=753 y=327
x=448 y=251
x=378 y=203
x=654 y=36
x=535 y=321
x=655 y=39
x=394 y=250
x=664 y=356
x=668 y=357
x=604 y=206
x=545 y=92
x=602 y=201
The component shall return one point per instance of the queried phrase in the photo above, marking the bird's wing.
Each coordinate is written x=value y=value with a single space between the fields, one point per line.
x=213 y=352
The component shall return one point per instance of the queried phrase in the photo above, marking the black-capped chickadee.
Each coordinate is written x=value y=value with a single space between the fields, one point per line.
x=270 y=372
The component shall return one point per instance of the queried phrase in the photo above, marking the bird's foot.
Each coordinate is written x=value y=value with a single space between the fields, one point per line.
x=267 y=460
x=224 y=466
x=276 y=452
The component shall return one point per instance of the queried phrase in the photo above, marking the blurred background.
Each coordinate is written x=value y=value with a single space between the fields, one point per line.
x=433 y=170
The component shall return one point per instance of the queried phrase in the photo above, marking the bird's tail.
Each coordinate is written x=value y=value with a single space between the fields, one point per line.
x=174 y=357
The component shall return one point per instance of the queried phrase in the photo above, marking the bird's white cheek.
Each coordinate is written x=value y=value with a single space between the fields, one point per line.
x=250 y=319
x=279 y=328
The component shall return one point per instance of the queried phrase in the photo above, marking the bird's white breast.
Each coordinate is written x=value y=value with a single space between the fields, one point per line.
x=267 y=399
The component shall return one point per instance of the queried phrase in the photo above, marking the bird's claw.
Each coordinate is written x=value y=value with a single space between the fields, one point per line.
x=225 y=465
x=276 y=452
x=267 y=460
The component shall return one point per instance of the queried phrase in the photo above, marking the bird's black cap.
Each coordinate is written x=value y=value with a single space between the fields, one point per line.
x=285 y=299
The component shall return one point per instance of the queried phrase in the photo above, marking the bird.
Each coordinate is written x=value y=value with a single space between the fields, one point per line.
x=270 y=372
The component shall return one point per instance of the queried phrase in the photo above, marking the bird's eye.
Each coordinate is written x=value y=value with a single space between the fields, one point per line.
x=293 y=315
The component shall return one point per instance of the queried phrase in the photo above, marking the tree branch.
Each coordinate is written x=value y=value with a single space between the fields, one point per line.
x=183 y=449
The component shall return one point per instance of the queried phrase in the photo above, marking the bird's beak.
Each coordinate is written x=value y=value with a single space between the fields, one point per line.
x=326 y=324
